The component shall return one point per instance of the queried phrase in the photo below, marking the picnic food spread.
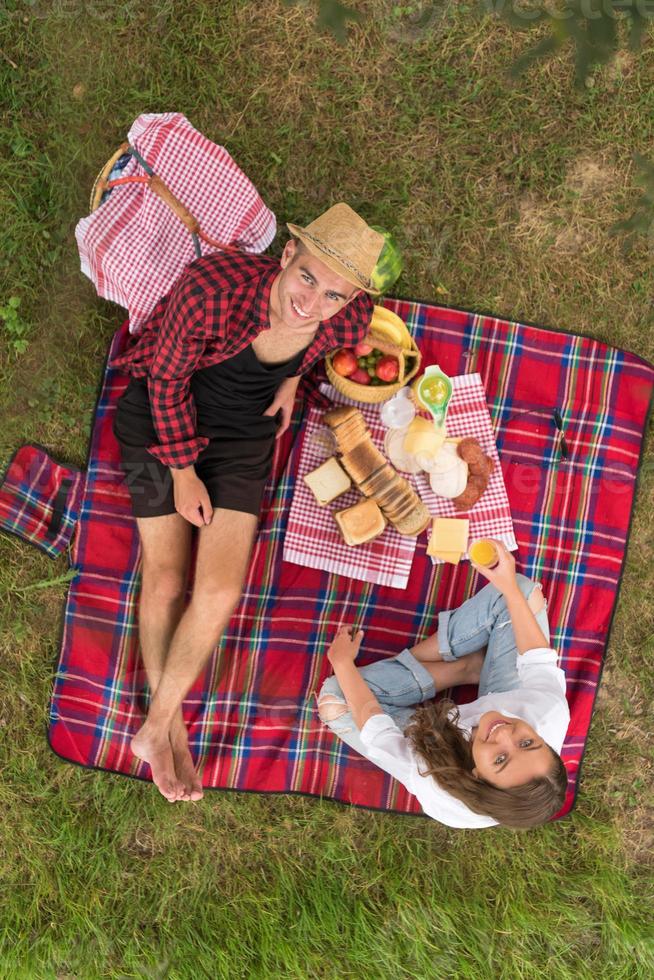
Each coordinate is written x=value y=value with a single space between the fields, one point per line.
x=365 y=460
x=483 y=552
x=448 y=473
x=448 y=539
x=386 y=359
x=389 y=264
x=374 y=475
x=433 y=391
x=480 y=467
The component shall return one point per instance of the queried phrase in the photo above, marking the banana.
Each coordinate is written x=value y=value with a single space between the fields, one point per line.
x=391 y=326
x=380 y=333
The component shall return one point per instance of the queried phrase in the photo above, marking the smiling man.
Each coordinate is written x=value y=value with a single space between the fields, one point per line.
x=214 y=375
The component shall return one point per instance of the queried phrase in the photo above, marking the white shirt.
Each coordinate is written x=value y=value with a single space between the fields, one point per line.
x=540 y=701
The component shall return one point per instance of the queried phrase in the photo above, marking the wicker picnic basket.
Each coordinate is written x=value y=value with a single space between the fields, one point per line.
x=103 y=184
x=408 y=358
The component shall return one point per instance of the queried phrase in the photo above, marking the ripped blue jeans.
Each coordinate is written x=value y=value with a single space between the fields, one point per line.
x=401 y=683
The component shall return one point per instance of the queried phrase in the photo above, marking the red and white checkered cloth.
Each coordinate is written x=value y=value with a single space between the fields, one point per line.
x=134 y=248
x=312 y=536
x=468 y=415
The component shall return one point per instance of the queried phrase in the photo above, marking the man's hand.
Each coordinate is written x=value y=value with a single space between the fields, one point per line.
x=344 y=647
x=502 y=576
x=284 y=400
x=192 y=501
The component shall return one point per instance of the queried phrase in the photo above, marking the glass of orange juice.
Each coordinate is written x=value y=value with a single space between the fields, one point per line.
x=483 y=552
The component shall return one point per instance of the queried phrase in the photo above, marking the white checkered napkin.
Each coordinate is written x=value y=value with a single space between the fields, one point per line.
x=133 y=248
x=312 y=536
x=468 y=415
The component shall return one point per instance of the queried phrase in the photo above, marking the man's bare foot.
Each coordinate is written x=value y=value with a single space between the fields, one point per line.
x=157 y=752
x=184 y=768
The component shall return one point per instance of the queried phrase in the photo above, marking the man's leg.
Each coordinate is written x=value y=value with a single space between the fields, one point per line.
x=223 y=553
x=166 y=550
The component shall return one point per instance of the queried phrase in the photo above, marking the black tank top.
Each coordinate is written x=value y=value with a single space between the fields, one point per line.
x=234 y=394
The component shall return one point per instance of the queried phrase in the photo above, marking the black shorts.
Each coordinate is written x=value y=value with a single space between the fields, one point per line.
x=233 y=468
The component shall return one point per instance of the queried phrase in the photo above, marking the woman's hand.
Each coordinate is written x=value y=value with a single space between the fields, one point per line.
x=192 y=500
x=502 y=576
x=344 y=647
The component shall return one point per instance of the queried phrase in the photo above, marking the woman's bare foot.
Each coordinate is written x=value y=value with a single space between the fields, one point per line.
x=184 y=768
x=156 y=750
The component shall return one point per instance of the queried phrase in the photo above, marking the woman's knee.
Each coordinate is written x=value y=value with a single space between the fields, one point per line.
x=536 y=600
x=532 y=591
x=331 y=702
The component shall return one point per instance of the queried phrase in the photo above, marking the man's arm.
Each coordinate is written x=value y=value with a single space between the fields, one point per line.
x=285 y=400
x=181 y=342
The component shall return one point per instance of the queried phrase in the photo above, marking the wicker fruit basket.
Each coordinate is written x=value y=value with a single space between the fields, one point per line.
x=408 y=358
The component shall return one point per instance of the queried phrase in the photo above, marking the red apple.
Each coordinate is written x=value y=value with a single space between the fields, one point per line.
x=362 y=349
x=361 y=376
x=387 y=368
x=344 y=362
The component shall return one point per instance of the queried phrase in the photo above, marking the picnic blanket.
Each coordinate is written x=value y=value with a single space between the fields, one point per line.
x=251 y=715
x=133 y=248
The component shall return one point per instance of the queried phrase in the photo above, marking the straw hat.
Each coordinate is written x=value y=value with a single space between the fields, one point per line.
x=345 y=243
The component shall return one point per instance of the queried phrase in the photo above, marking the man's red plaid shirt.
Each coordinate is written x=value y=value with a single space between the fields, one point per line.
x=217 y=308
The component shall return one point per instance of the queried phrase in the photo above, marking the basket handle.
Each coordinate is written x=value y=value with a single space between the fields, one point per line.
x=158 y=187
x=410 y=364
x=408 y=358
x=164 y=193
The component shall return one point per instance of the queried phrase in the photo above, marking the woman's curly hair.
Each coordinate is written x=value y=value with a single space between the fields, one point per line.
x=447 y=753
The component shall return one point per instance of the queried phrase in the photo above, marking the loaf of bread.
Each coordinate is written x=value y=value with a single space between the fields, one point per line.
x=373 y=474
x=328 y=481
x=364 y=460
x=362 y=523
x=348 y=425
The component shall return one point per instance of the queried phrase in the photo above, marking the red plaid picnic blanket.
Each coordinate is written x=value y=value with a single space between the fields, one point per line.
x=312 y=538
x=133 y=248
x=252 y=718
x=40 y=499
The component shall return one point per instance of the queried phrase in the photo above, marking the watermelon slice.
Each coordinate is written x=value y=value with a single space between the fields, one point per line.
x=389 y=264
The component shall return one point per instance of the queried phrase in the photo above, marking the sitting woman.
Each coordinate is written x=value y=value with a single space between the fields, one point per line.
x=492 y=761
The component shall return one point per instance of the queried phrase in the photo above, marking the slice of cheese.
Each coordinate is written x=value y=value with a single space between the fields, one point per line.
x=423 y=437
x=453 y=557
x=449 y=535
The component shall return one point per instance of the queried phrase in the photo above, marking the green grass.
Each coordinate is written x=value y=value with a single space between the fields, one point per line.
x=502 y=195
